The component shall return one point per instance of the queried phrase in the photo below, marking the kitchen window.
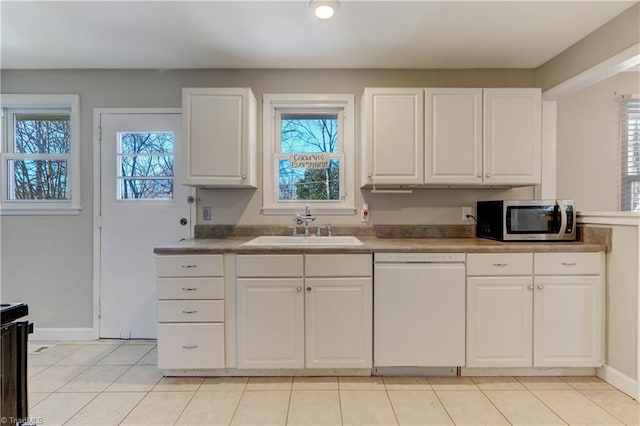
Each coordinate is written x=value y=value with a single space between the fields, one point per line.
x=40 y=155
x=308 y=154
x=630 y=149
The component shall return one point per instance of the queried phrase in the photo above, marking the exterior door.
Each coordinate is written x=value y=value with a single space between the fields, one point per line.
x=142 y=204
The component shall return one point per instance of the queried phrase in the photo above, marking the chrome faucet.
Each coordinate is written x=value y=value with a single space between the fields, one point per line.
x=304 y=220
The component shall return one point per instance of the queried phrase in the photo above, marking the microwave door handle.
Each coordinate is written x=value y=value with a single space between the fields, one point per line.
x=563 y=220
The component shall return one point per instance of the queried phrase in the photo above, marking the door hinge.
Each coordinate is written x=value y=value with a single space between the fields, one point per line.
x=99 y=310
x=191 y=199
x=100 y=133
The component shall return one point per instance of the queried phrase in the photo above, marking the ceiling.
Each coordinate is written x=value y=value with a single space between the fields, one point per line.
x=283 y=34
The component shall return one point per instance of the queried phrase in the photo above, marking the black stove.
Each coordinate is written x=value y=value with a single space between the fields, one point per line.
x=13 y=363
x=12 y=311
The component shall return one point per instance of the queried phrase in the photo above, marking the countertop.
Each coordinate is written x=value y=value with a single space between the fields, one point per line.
x=376 y=244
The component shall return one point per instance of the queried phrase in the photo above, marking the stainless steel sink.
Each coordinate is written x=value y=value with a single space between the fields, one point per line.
x=281 y=240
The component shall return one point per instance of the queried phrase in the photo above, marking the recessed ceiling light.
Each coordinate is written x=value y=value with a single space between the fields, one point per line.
x=324 y=9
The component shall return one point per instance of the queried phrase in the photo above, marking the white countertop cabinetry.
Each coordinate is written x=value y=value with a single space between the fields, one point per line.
x=535 y=310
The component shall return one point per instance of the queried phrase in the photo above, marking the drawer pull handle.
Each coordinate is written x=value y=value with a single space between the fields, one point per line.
x=500 y=265
x=189 y=346
x=568 y=263
x=189 y=288
x=189 y=266
x=189 y=312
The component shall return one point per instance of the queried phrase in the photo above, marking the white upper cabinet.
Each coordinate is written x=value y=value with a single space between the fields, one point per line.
x=393 y=136
x=466 y=137
x=453 y=129
x=512 y=127
x=219 y=137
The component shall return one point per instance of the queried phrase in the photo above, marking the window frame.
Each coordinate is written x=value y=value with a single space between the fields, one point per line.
x=10 y=103
x=629 y=110
x=273 y=107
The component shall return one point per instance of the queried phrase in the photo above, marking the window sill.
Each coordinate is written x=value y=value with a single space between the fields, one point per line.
x=315 y=211
x=19 y=211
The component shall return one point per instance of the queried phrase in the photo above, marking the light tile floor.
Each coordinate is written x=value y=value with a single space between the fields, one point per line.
x=113 y=382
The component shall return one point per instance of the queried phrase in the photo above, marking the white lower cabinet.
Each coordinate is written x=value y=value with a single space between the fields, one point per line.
x=499 y=321
x=190 y=312
x=548 y=315
x=270 y=326
x=301 y=321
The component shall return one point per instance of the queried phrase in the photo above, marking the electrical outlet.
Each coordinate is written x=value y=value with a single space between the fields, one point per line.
x=467 y=211
x=206 y=213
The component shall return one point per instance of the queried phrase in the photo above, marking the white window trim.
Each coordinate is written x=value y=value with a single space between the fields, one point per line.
x=271 y=104
x=45 y=207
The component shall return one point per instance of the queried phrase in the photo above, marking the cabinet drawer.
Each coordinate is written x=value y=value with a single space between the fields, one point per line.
x=189 y=266
x=269 y=265
x=338 y=265
x=190 y=311
x=189 y=346
x=492 y=264
x=191 y=288
x=568 y=263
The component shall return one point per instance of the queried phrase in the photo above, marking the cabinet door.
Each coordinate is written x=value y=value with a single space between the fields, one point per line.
x=220 y=137
x=568 y=321
x=392 y=136
x=453 y=128
x=499 y=321
x=338 y=315
x=512 y=136
x=270 y=323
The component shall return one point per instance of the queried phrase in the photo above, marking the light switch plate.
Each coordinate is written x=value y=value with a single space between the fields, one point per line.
x=206 y=213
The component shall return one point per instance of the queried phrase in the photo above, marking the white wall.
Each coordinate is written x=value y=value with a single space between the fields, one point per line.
x=47 y=261
x=588 y=159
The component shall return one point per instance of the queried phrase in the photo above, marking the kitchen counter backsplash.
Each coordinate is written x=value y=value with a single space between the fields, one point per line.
x=379 y=231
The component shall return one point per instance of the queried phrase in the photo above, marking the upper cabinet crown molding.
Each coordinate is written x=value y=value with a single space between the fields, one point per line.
x=220 y=137
x=466 y=136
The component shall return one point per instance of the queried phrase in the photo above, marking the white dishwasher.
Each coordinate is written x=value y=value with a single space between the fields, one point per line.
x=419 y=310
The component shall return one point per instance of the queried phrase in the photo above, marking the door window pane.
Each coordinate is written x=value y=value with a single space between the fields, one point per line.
x=145 y=166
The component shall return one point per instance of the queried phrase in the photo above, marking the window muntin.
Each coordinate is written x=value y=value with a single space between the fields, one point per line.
x=317 y=133
x=630 y=149
x=145 y=166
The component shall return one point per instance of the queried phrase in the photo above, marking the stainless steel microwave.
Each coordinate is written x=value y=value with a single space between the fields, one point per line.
x=526 y=220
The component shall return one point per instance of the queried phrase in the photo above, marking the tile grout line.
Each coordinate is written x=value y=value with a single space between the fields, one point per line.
x=603 y=408
x=491 y=402
x=286 y=418
x=188 y=402
x=453 y=422
x=543 y=403
x=134 y=407
x=393 y=410
x=235 y=410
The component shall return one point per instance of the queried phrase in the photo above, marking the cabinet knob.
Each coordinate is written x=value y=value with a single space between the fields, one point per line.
x=487 y=175
x=308 y=288
x=540 y=287
x=244 y=177
x=299 y=289
x=530 y=287
x=479 y=175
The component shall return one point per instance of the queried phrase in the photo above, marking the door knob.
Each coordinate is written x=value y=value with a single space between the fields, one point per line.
x=183 y=221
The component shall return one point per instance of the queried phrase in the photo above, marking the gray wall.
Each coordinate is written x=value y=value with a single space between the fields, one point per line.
x=588 y=145
x=47 y=261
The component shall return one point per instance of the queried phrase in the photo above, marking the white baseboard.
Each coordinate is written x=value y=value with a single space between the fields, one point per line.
x=55 y=334
x=621 y=381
